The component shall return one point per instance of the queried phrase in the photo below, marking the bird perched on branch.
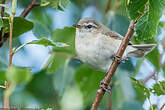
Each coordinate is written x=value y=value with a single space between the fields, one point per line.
x=96 y=44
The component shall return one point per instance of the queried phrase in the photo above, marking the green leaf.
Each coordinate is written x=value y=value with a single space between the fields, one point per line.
x=136 y=8
x=146 y=27
x=159 y=88
x=41 y=30
x=52 y=3
x=20 y=26
x=141 y=91
x=41 y=86
x=58 y=4
x=154 y=58
x=163 y=68
x=88 y=81
x=64 y=75
x=43 y=41
x=18 y=75
x=66 y=35
x=1 y=23
x=58 y=61
x=2 y=77
x=64 y=3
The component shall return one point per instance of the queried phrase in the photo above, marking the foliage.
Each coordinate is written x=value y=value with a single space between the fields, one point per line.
x=60 y=72
x=159 y=88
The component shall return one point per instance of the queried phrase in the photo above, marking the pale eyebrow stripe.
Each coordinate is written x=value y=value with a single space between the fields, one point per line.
x=86 y=24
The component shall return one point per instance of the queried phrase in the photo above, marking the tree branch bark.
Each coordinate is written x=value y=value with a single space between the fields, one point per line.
x=109 y=102
x=149 y=77
x=107 y=79
x=14 y=5
x=162 y=107
x=29 y=8
x=108 y=7
x=3 y=9
x=23 y=14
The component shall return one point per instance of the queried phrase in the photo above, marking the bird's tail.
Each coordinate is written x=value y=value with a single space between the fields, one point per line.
x=141 y=50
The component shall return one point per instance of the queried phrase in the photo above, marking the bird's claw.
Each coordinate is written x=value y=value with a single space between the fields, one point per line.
x=120 y=59
x=105 y=87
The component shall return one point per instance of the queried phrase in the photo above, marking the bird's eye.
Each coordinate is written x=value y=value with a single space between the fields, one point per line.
x=89 y=26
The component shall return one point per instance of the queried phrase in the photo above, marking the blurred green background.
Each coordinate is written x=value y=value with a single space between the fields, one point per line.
x=58 y=80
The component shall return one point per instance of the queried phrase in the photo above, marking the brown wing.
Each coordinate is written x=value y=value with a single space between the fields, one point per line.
x=113 y=34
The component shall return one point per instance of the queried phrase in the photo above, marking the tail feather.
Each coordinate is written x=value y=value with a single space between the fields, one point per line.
x=141 y=50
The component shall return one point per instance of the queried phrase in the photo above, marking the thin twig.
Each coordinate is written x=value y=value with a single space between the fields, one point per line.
x=14 y=4
x=107 y=79
x=3 y=9
x=108 y=7
x=2 y=15
x=154 y=73
x=24 y=14
x=149 y=77
x=109 y=102
x=29 y=8
x=161 y=108
x=10 y=40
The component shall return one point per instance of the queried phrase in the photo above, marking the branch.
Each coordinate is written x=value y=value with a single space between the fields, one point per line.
x=109 y=102
x=108 y=7
x=155 y=72
x=149 y=77
x=14 y=4
x=162 y=107
x=2 y=15
x=24 y=14
x=107 y=79
x=3 y=9
x=29 y=8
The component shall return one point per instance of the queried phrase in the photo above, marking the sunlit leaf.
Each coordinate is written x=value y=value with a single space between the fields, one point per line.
x=58 y=4
x=135 y=8
x=146 y=27
x=141 y=91
x=159 y=88
x=43 y=41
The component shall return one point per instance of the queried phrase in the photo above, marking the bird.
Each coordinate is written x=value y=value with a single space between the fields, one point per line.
x=96 y=44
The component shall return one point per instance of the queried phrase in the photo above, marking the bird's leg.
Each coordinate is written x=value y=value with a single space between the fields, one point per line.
x=120 y=59
x=105 y=87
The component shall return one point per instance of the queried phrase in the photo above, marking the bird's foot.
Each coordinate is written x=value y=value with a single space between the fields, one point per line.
x=120 y=59
x=105 y=87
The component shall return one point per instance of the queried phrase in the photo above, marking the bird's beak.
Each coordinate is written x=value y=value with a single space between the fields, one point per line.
x=76 y=26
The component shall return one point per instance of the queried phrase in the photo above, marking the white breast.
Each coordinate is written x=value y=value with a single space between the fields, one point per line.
x=96 y=51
